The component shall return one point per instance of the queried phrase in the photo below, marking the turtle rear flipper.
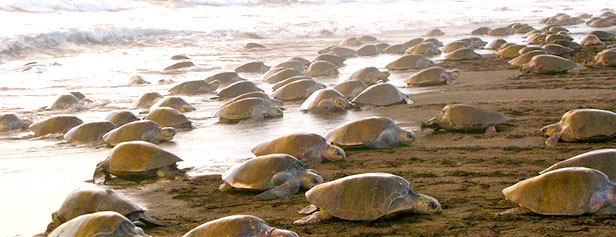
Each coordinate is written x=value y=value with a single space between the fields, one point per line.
x=308 y=210
x=316 y=217
x=141 y=217
x=516 y=211
x=553 y=140
x=284 y=184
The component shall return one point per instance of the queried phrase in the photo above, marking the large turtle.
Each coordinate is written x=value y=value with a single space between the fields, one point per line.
x=366 y=197
x=64 y=101
x=274 y=175
x=297 y=65
x=339 y=51
x=410 y=61
x=56 y=124
x=510 y=52
x=603 y=160
x=334 y=59
x=10 y=122
x=557 y=49
x=223 y=78
x=432 y=76
x=194 y=87
x=281 y=75
x=238 y=225
x=169 y=117
x=413 y=42
x=252 y=67
x=529 y=49
x=495 y=44
x=121 y=117
x=238 y=88
x=548 y=64
x=106 y=223
x=368 y=50
x=179 y=65
x=395 y=49
x=255 y=95
x=466 y=118
x=90 y=200
x=144 y=130
x=297 y=90
x=325 y=101
x=369 y=75
x=455 y=45
x=350 y=89
x=321 y=69
x=426 y=48
x=137 y=80
x=604 y=35
x=549 y=39
x=174 y=102
x=481 y=31
x=302 y=60
x=252 y=109
x=137 y=160
x=146 y=100
x=382 y=46
x=569 y=191
x=463 y=54
x=502 y=31
x=287 y=81
x=308 y=147
x=381 y=94
x=524 y=58
x=591 y=40
x=371 y=132
x=91 y=132
x=605 y=58
x=582 y=125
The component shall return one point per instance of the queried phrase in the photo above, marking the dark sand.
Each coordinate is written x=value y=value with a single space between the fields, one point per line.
x=465 y=172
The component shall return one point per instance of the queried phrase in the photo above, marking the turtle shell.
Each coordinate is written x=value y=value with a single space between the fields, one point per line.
x=368 y=50
x=282 y=74
x=139 y=156
x=168 y=117
x=179 y=65
x=252 y=67
x=606 y=58
x=568 y=191
x=88 y=132
x=463 y=54
x=237 y=225
x=287 y=81
x=318 y=96
x=135 y=131
x=297 y=65
x=224 y=78
x=146 y=100
x=192 y=88
x=495 y=44
x=321 y=68
x=255 y=94
x=242 y=109
x=362 y=197
x=297 y=90
x=10 y=122
x=65 y=101
x=295 y=145
x=351 y=42
x=350 y=89
x=174 y=102
x=395 y=49
x=354 y=133
x=382 y=94
x=98 y=224
x=461 y=117
x=334 y=59
x=238 y=88
x=339 y=51
x=121 y=117
x=481 y=31
x=429 y=77
x=410 y=61
x=413 y=42
x=557 y=49
x=509 y=52
x=525 y=57
x=56 y=124
x=304 y=61
x=369 y=75
x=256 y=173
x=588 y=124
x=603 y=160
x=549 y=64
x=455 y=45
x=434 y=32
x=137 y=80
x=503 y=31
x=425 y=48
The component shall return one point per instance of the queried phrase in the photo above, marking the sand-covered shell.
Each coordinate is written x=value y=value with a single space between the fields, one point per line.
x=146 y=100
x=56 y=124
x=525 y=57
x=431 y=77
x=465 y=118
x=325 y=101
x=281 y=75
x=252 y=67
x=238 y=225
x=98 y=224
x=368 y=132
x=351 y=88
x=238 y=88
x=334 y=59
x=548 y=64
x=144 y=130
x=381 y=94
x=248 y=108
x=121 y=117
x=603 y=160
x=321 y=69
x=297 y=90
x=410 y=61
x=174 y=102
x=168 y=117
x=91 y=132
x=369 y=75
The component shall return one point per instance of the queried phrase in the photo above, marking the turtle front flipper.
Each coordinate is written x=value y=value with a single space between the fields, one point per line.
x=553 y=140
x=141 y=217
x=316 y=217
x=101 y=175
x=516 y=211
x=224 y=187
x=284 y=184
x=308 y=210
x=490 y=131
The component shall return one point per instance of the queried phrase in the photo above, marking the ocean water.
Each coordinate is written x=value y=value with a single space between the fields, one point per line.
x=95 y=47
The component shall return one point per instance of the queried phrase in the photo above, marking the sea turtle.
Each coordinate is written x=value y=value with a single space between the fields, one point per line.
x=570 y=191
x=502 y=31
x=56 y=124
x=238 y=88
x=367 y=38
x=321 y=69
x=465 y=118
x=297 y=90
x=369 y=75
x=252 y=109
x=144 y=130
x=106 y=223
x=275 y=175
x=495 y=44
x=146 y=100
x=536 y=38
x=350 y=89
x=556 y=49
x=169 y=117
x=302 y=60
x=238 y=225
x=339 y=51
x=582 y=125
x=10 y=122
x=433 y=76
x=529 y=48
x=325 y=101
x=455 y=45
x=382 y=94
x=91 y=132
x=137 y=160
x=569 y=44
x=336 y=60
x=289 y=80
x=382 y=46
x=91 y=200
x=368 y=50
x=510 y=52
x=524 y=29
x=603 y=160
x=255 y=95
x=194 y=87
x=426 y=49
x=251 y=45
x=371 y=132
x=532 y=32
x=591 y=40
x=434 y=32
x=525 y=57
x=463 y=54
x=481 y=31
x=410 y=61
x=281 y=75
x=350 y=42
x=604 y=35
x=137 y=80
x=179 y=65
x=308 y=147
x=395 y=49
x=366 y=197
x=179 y=57
x=64 y=102
x=413 y=42
x=223 y=78
x=121 y=117
x=252 y=67
x=605 y=58
x=297 y=65
x=600 y=23
x=553 y=37
x=548 y=64
x=175 y=102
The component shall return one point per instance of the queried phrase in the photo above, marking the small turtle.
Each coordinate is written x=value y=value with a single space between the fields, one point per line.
x=297 y=65
x=371 y=132
x=275 y=175
x=252 y=45
x=56 y=124
x=605 y=58
x=146 y=100
x=495 y=44
x=321 y=69
x=223 y=78
x=144 y=130
x=288 y=80
x=281 y=75
x=121 y=117
x=434 y=32
x=503 y=31
x=252 y=67
x=369 y=75
x=175 y=102
x=238 y=88
x=137 y=80
x=339 y=51
x=350 y=89
x=455 y=45
x=238 y=225
x=179 y=65
x=169 y=117
x=106 y=223
x=350 y=42
x=548 y=64
x=433 y=76
x=410 y=61
x=64 y=102
x=481 y=31
x=308 y=147
x=382 y=94
x=10 y=122
x=255 y=95
x=525 y=57
x=368 y=50
x=463 y=54
x=325 y=101
x=91 y=200
x=194 y=88
x=366 y=197
x=137 y=160
x=91 y=132
x=591 y=40
x=395 y=49
x=582 y=125
x=336 y=60
x=466 y=118
x=252 y=109
x=413 y=42
x=556 y=49
x=426 y=49
x=570 y=191
x=180 y=57
x=510 y=52
x=297 y=90
x=603 y=160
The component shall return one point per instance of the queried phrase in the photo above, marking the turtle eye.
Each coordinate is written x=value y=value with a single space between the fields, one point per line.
x=432 y=205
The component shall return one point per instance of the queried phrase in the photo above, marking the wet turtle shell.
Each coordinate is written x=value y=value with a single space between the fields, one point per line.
x=426 y=48
x=121 y=117
x=368 y=50
x=603 y=160
x=238 y=88
x=431 y=77
x=369 y=75
x=98 y=224
x=282 y=74
x=287 y=81
x=321 y=69
x=252 y=45
x=591 y=40
x=455 y=45
x=91 y=132
x=495 y=44
x=339 y=51
x=509 y=52
x=238 y=225
x=143 y=130
x=548 y=64
x=325 y=101
x=252 y=67
x=297 y=90
x=308 y=147
x=223 y=78
x=434 y=32
x=137 y=80
x=179 y=65
x=557 y=49
x=351 y=42
x=525 y=58
x=179 y=57
x=255 y=95
x=248 y=108
x=146 y=100
x=334 y=59
x=604 y=35
x=382 y=94
x=297 y=65
x=168 y=117
x=463 y=54
x=465 y=118
x=257 y=173
x=56 y=124
x=174 y=102
x=503 y=31
x=304 y=61
x=582 y=125
x=395 y=49
x=368 y=131
x=139 y=160
x=63 y=102
x=193 y=88
x=530 y=48
x=481 y=31
x=351 y=88
x=10 y=122
x=410 y=61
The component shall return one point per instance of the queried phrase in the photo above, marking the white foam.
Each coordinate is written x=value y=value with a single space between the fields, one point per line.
x=68 y=5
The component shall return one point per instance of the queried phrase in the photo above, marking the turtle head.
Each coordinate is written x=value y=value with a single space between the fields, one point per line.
x=432 y=124
x=281 y=233
x=100 y=173
x=274 y=112
x=550 y=129
x=167 y=133
x=55 y=222
x=342 y=103
x=335 y=153
x=406 y=137
x=427 y=205
x=383 y=76
x=524 y=69
x=450 y=76
x=310 y=179
x=588 y=63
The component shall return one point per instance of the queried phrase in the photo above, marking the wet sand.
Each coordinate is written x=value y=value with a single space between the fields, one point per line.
x=465 y=172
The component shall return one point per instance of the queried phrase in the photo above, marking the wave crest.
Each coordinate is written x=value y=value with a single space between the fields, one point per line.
x=67 y=5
